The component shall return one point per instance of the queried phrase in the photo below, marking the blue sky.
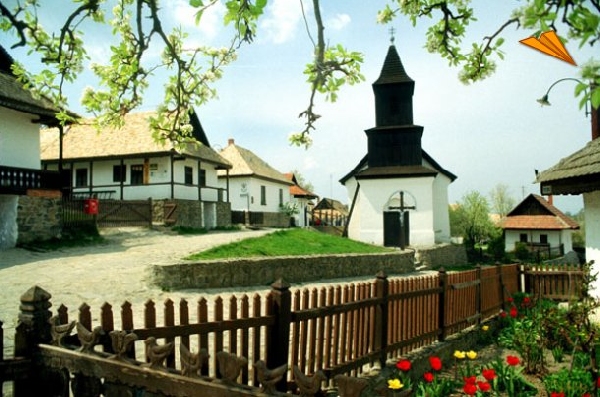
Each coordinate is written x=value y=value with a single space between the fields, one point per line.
x=486 y=133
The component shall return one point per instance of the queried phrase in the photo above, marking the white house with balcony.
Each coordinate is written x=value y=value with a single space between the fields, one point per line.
x=22 y=182
x=129 y=164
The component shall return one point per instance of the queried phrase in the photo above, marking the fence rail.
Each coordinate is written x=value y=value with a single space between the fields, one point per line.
x=337 y=330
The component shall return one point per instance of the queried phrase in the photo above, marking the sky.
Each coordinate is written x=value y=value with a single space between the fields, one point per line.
x=487 y=133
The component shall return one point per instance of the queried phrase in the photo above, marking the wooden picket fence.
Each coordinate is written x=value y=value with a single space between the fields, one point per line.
x=340 y=330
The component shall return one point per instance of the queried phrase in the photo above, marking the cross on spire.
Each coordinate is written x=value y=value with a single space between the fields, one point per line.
x=392 y=31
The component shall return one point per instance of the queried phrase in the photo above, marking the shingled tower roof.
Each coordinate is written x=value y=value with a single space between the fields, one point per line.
x=393 y=70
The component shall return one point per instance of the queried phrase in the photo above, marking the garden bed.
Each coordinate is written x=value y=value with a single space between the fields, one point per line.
x=535 y=349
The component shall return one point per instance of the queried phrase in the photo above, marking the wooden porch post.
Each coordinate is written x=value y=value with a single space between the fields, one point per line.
x=278 y=344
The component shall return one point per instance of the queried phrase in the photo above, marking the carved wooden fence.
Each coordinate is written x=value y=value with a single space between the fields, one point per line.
x=334 y=331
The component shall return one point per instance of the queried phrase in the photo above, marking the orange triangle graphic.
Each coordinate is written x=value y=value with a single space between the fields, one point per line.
x=549 y=43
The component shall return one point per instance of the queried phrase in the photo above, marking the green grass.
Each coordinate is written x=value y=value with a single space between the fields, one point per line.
x=288 y=242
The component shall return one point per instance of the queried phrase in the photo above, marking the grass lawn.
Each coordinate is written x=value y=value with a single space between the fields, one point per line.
x=289 y=242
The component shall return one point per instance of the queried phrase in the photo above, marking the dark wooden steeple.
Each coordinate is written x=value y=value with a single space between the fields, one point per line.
x=395 y=140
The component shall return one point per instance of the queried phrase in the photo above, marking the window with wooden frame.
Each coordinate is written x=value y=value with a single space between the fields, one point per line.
x=81 y=177
x=263 y=195
x=201 y=177
x=137 y=174
x=119 y=173
x=188 y=175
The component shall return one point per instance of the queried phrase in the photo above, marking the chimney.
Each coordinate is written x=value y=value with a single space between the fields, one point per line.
x=231 y=141
x=550 y=200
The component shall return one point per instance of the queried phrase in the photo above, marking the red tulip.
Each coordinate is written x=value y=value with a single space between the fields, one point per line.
x=403 y=365
x=470 y=389
x=512 y=360
x=484 y=386
x=428 y=377
x=489 y=374
x=435 y=363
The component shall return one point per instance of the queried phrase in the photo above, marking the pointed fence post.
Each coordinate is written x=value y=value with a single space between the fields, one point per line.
x=278 y=344
x=32 y=329
x=381 y=316
x=443 y=285
x=479 y=295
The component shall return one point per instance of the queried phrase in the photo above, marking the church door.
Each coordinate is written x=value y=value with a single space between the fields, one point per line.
x=396 y=232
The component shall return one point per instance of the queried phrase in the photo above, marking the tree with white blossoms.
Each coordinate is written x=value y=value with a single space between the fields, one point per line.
x=136 y=26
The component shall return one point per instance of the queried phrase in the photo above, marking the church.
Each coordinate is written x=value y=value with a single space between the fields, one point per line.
x=398 y=193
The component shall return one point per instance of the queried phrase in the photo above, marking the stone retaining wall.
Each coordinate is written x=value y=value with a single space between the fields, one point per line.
x=296 y=269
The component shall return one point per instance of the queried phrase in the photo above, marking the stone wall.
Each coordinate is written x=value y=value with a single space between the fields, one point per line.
x=8 y=220
x=297 y=269
x=264 y=271
x=223 y=214
x=189 y=213
x=442 y=255
x=38 y=219
x=158 y=211
x=275 y=219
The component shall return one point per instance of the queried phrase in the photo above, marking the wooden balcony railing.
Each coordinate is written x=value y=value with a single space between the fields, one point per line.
x=15 y=180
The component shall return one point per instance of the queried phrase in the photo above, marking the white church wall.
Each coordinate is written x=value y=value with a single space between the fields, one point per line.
x=441 y=215
x=367 y=219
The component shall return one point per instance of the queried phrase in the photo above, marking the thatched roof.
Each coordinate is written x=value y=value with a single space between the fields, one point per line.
x=83 y=141
x=246 y=163
x=13 y=95
x=574 y=174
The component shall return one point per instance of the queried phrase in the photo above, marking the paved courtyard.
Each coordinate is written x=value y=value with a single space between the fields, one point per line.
x=112 y=272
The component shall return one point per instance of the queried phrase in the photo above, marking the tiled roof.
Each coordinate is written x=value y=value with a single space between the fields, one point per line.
x=546 y=216
x=392 y=70
x=584 y=162
x=246 y=163
x=84 y=141
x=296 y=190
x=545 y=222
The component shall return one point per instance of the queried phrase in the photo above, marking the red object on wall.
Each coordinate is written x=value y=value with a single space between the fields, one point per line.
x=90 y=206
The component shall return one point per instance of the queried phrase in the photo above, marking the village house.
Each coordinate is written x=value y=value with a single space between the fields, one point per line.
x=301 y=201
x=258 y=192
x=128 y=164
x=540 y=226
x=330 y=212
x=29 y=197
x=398 y=192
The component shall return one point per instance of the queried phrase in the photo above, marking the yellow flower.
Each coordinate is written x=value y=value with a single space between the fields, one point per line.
x=459 y=354
x=472 y=355
x=485 y=328
x=395 y=384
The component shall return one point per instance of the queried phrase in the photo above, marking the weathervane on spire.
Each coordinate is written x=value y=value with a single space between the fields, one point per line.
x=392 y=30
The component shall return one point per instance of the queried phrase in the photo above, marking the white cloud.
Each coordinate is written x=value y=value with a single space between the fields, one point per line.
x=281 y=21
x=185 y=15
x=338 y=22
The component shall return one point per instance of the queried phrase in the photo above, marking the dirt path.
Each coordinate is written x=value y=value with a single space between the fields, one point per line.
x=112 y=272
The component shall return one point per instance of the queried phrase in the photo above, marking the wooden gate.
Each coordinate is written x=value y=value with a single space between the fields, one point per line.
x=117 y=213
x=170 y=213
